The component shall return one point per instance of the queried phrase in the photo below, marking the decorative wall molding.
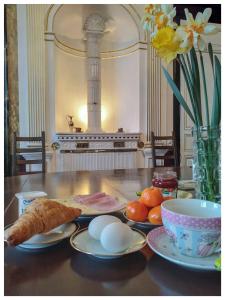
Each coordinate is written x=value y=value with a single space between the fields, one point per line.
x=104 y=55
x=54 y=9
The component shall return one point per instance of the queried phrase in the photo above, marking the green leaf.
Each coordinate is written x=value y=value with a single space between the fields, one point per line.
x=216 y=111
x=189 y=84
x=218 y=74
x=210 y=49
x=178 y=95
x=216 y=105
x=196 y=80
x=205 y=88
x=138 y=194
x=189 y=63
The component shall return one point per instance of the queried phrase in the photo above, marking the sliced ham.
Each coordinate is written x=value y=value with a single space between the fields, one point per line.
x=99 y=201
x=106 y=204
x=88 y=199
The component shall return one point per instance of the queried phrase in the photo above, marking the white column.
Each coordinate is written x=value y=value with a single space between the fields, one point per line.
x=94 y=28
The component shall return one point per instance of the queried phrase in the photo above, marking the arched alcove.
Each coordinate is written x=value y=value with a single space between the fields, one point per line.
x=123 y=53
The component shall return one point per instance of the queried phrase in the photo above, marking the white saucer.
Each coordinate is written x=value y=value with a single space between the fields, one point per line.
x=145 y=224
x=53 y=237
x=84 y=243
x=159 y=241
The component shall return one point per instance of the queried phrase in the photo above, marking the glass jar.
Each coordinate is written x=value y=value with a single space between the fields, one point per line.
x=167 y=182
x=207 y=162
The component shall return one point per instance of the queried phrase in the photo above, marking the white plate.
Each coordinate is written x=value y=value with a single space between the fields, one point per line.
x=159 y=241
x=84 y=243
x=39 y=241
x=145 y=224
x=90 y=212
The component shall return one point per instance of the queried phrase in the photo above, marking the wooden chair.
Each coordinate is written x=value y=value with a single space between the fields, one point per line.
x=168 y=143
x=19 y=162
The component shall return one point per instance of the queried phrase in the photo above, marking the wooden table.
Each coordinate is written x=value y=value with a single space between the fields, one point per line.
x=60 y=270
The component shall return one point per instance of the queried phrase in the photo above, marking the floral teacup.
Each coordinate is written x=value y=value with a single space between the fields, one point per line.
x=194 y=225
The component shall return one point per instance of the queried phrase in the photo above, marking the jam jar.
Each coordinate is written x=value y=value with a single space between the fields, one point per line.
x=167 y=182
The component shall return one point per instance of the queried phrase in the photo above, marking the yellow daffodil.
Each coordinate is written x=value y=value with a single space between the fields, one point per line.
x=192 y=32
x=167 y=44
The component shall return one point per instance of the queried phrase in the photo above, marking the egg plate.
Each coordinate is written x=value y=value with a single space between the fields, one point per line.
x=83 y=242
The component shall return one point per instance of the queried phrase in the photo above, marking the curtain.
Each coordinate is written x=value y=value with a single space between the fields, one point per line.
x=11 y=101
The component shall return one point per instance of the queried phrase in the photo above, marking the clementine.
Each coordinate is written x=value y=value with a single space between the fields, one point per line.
x=136 y=211
x=154 y=215
x=151 y=197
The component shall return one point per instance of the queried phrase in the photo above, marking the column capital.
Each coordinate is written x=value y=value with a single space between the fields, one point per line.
x=95 y=23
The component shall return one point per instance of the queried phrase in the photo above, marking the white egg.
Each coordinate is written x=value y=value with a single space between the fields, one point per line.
x=116 y=237
x=98 y=224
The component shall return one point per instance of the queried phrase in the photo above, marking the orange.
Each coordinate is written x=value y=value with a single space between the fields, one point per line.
x=151 y=197
x=136 y=211
x=154 y=215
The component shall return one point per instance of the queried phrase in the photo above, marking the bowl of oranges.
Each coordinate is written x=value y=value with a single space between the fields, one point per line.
x=146 y=210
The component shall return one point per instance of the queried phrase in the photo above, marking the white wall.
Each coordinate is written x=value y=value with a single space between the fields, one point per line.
x=70 y=88
x=120 y=92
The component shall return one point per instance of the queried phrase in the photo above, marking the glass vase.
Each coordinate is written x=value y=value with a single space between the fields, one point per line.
x=207 y=163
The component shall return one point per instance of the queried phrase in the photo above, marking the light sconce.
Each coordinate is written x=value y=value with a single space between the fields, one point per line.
x=83 y=115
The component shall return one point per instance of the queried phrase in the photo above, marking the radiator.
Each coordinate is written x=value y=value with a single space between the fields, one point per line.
x=95 y=161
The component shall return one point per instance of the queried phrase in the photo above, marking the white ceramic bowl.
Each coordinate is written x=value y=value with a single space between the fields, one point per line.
x=194 y=225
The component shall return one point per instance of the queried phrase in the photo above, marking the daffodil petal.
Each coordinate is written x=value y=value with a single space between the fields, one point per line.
x=201 y=44
x=173 y=12
x=166 y=8
x=185 y=44
x=189 y=16
x=199 y=18
x=207 y=14
x=210 y=29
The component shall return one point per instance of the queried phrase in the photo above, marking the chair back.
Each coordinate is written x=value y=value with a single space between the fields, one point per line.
x=168 y=148
x=19 y=162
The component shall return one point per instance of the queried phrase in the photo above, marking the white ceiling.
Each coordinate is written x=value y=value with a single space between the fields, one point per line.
x=122 y=31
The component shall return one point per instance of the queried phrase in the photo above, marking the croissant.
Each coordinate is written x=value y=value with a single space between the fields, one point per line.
x=41 y=216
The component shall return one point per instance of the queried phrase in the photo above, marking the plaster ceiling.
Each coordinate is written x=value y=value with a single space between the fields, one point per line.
x=121 y=29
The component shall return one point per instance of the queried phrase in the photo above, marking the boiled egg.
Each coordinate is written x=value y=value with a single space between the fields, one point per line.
x=99 y=223
x=116 y=237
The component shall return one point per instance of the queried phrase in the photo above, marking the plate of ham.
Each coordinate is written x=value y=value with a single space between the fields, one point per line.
x=96 y=204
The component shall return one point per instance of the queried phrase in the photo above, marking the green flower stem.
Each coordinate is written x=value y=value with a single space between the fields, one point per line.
x=196 y=79
x=206 y=161
x=205 y=89
x=189 y=63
